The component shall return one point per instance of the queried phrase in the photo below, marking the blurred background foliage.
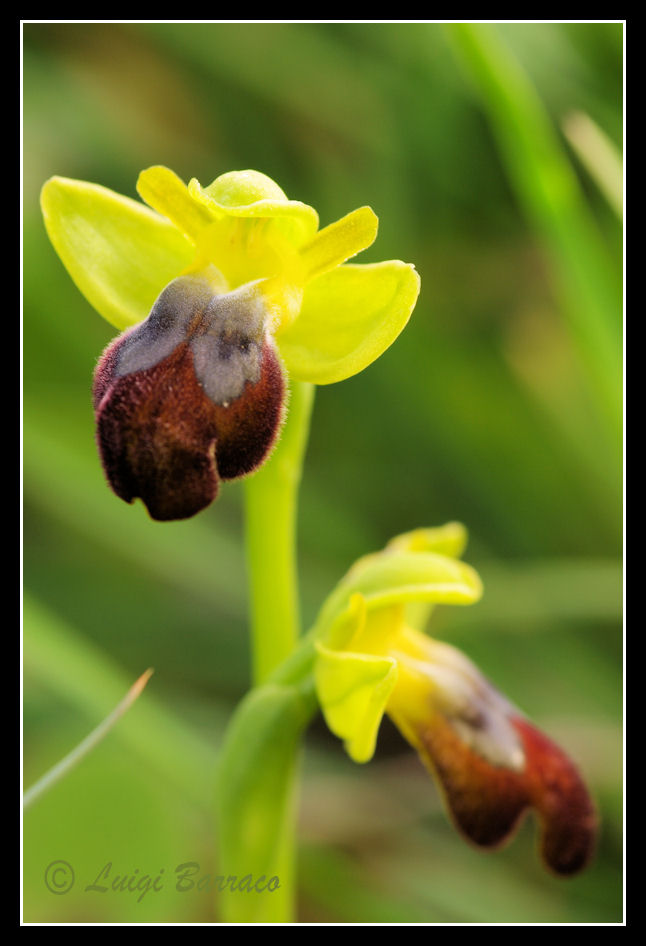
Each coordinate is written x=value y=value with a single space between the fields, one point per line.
x=498 y=406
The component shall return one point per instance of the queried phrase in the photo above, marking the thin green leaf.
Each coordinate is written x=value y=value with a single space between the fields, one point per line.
x=60 y=770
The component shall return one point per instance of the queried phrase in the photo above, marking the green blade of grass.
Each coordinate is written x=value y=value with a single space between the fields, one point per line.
x=86 y=678
x=598 y=155
x=549 y=193
x=86 y=745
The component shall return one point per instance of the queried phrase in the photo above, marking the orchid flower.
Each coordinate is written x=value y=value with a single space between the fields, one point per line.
x=223 y=294
x=491 y=762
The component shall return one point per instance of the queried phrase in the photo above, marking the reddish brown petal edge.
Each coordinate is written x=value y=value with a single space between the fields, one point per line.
x=487 y=802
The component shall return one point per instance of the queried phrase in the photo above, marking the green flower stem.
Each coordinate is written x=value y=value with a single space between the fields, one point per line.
x=257 y=792
x=271 y=507
x=257 y=787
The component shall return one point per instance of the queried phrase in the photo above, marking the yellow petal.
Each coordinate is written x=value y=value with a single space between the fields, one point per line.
x=450 y=540
x=251 y=194
x=119 y=253
x=349 y=317
x=353 y=690
x=166 y=193
x=338 y=242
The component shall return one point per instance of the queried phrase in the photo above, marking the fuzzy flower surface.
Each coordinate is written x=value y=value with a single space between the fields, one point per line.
x=492 y=764
x=222 y=294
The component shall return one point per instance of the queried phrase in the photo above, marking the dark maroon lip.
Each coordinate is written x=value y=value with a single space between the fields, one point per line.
x=487 y=802
x=192 y=396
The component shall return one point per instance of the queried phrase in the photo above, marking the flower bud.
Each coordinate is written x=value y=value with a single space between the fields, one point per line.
x=191 y=396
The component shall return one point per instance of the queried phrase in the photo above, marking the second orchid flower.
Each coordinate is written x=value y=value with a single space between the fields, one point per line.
x=492 y=764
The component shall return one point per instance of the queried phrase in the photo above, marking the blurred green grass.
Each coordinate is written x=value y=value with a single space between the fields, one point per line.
x=497 y=406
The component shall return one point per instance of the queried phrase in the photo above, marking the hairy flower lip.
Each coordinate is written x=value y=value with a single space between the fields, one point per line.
x=190 y=397
x=488 y=802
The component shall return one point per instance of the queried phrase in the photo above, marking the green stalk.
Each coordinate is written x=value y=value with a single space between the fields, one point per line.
x=257 y=788
x=271 y=497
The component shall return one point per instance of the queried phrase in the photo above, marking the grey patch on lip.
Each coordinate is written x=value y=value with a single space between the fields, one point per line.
x=166 y=327
x=491 y=735
x=225 y=332
x=481 y=716
x=227 y=348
